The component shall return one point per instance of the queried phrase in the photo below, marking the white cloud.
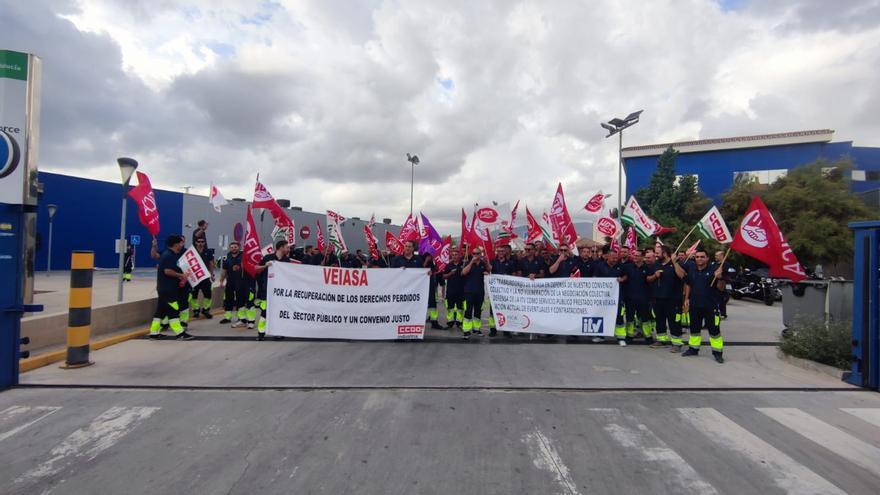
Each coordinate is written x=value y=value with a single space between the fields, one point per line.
x=501 y=100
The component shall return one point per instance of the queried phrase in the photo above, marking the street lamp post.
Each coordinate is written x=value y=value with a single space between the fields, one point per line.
x=127 y=167
x=52 y=209
x=413 y=160
x=616 y=126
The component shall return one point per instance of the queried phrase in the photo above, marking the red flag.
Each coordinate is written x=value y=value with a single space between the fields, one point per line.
x=264 y=199
x=409 y=231
x=371 y=242
x=759 y=236
x=631 y=240
x=576 y=273
x=252 y=250
x=660 y=230
x=320 y=240
x=392 y=243
x=596 y=203
x=465 y=229
x=148 y=211
x=615 y=246
x=534 y=231
x=488 y=246
x=443 y=255
x=692 y=250
x=560 y=220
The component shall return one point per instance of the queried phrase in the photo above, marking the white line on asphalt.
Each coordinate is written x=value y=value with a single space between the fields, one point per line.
x=869 y=414
x=101 y=434
x=635 y=436
x=787 y=473
x=11 y=412
x=830 y=437
x=546 y=457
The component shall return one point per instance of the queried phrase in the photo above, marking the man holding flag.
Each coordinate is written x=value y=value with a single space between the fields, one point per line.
x=281 y=253
x=169 y=280
x=702 y=291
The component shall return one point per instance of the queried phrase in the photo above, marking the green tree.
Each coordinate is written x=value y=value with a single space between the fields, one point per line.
x=673 y=202
x=813 y=206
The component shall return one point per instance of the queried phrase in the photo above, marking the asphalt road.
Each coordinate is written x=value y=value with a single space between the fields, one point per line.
x=483 y=417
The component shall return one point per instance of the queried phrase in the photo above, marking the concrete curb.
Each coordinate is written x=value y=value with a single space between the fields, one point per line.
x=811 y=365
x=35 y=362
x=32 y=363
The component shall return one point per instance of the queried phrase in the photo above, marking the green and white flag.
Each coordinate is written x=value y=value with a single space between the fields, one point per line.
x=635 y=216
x=335 y=232
x=546 y=233
x=713 y=227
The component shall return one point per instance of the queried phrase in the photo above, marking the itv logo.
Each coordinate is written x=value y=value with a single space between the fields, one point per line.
x=592 y=326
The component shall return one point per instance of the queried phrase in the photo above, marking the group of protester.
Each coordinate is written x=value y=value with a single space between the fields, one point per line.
x=662 y=293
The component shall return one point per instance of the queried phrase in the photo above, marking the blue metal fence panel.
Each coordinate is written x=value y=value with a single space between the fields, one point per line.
x=88 y=218
x=866 y=307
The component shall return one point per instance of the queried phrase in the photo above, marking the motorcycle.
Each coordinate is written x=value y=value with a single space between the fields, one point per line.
x=755 y=284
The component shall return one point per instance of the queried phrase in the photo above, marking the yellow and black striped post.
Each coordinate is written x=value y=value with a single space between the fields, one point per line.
x=79 y=317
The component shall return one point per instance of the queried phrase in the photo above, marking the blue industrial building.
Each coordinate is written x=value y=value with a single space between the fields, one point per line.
x=717 y=162
x=88 y=218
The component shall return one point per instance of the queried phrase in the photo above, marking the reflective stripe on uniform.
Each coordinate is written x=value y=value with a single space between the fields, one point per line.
x=717 y=343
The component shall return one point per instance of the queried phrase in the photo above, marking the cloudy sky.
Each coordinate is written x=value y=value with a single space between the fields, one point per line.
x=500 y=99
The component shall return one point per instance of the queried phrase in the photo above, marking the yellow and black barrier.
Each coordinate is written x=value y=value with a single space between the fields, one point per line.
x=79 y=317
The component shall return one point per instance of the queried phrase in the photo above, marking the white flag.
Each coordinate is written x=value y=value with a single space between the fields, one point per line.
x=193 y=266
x=635 y=216
x=334 y=231
x=713 y=227
x=217 y=200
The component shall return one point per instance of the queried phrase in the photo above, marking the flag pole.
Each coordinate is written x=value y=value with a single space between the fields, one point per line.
x=686 y=237
x=721 y=265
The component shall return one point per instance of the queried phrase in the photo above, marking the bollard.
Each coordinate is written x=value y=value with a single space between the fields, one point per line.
x=79 y=317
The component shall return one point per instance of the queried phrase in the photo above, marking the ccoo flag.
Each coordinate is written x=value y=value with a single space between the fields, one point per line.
x=635 y=216
x=713 y=227
x=334 y=231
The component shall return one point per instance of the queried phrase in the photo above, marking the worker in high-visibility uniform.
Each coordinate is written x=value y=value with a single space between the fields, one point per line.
x=503 y=264
x=169 y=279
x=667 y=292
x=205 y=286
x=474 y=274
x=639 y=319
x=608 y=267
x=704 y=285
x=454 y=290
x=433 y=283
x=235 y=292
x=282 y=254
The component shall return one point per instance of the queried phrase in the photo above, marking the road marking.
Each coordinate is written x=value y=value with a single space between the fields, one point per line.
x=788 y=474
x=871 y=415
x=635 y=436
x=101 y=434
x=832 y=438
x=546 y=457
x=11 y=413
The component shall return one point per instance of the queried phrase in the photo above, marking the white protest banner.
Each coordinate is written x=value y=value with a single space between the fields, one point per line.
x=559 y=306
x=193 y=266
x=347 y=303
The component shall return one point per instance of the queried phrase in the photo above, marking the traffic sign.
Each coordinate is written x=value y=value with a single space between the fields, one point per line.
x=135 y=240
